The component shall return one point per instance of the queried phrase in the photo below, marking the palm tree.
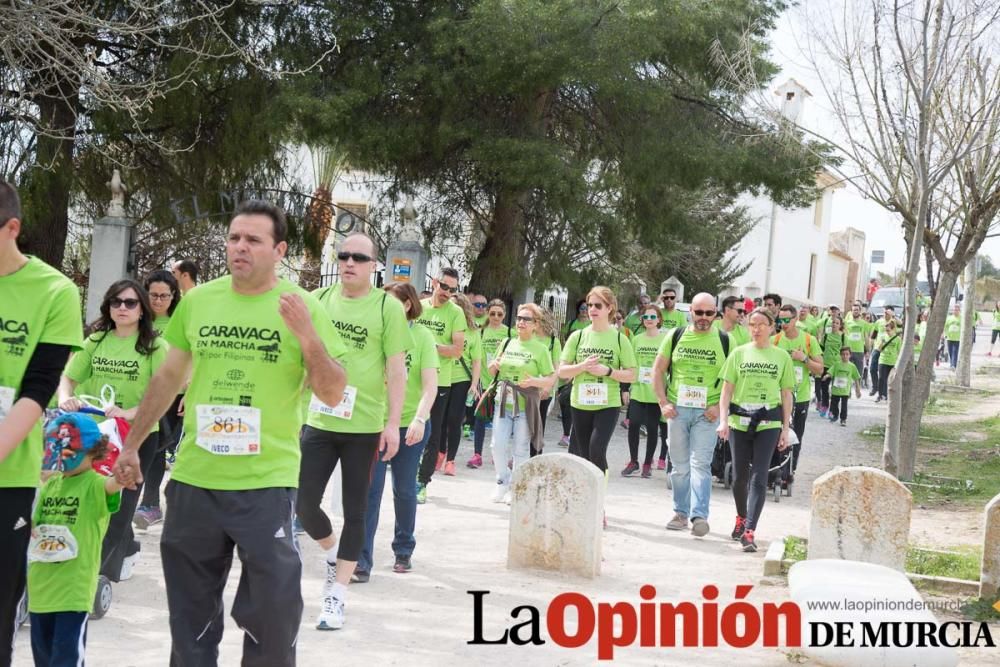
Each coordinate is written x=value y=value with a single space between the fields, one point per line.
x=329 y=162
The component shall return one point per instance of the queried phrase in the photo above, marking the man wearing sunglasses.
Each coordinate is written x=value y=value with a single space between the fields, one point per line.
x=479 y=304
x=446 y=321
x=633 y=321
x=733 y=316
x=39 y=326
x=672 y=318
x=807 y=360
x=692 y=358
x=373 y=327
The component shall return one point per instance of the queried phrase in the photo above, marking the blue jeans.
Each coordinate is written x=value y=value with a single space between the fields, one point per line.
x=404 y=497
x=692 y=444
x=511 y=439
x=953 y=353
x=479 y=434
x=58 y=638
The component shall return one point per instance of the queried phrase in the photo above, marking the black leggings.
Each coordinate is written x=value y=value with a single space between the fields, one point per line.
x=321 y=450
x=564 y=396
x=430 y=455
x=592 y=431
x=119 y=539
x=823 y=390
x=454 y=419
x=543 y=407
x=664 y=430
x=642 y=414
x=750 y=484
x=799 y=413
x=883 y=380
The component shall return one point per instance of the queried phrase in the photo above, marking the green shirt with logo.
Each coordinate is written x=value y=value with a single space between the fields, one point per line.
x=758 y=377
x=491 y=337
x=891 y=347
x=694 y=367
x=524 y=359
x=953 y=328
x=645 y=347
x=242 y=412
x=673 y=319
x=371 y=328
x=591 y=392
x=856 y=332
x=37 y=305
x=443 y=321
x=422 y=355
x=800 y=368
x=843 y=375
x=80 y=504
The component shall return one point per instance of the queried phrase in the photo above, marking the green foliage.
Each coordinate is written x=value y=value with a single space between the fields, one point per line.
x=962 y=563
x=796 y=548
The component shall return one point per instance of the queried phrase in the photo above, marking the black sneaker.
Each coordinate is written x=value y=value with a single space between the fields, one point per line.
x=402 y=564
x=746 y=539
x=360 y=577
x=741 y=525
x=632 y=467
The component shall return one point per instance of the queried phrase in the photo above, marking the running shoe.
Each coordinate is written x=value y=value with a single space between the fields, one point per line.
x=564 y=441
x=332 y=615
x=679 y=522
x=625 y=423
x=331 y=578
x=360 y=576
x=741 y=525
x=146 y=517
x=832 y=419
x=421 y=493
x=699 y=527
x=297 y=527
x=440 y=462
x=449 y=468
x=402 y=565
x=661 y=464
x=128 y=564
x=475 y=462
x=647 y=470
x=499 y=493
x=632 y=467
x=746 y=539
x=843 y=424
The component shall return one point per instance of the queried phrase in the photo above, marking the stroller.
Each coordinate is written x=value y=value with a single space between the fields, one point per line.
x=779 y=474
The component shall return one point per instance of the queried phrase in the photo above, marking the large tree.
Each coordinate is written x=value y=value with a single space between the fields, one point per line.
x=561 y=130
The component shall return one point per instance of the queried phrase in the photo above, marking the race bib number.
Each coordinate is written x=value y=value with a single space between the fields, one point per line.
x=344 y=409
x=854 y=336
x=51 y=544
x=6 y=401
x=645 y=375
x=228 y=430
x=798 y=375
x=840 y=383
x=752 y=407
x=593 y=393
x=692 y=396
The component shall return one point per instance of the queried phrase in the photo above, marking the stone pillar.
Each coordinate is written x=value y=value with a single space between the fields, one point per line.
x=406 y=259
x=109 y=248
x=989 y=577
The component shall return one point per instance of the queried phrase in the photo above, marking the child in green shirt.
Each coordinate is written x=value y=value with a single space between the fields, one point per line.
x=844 y=374
x=71 y=516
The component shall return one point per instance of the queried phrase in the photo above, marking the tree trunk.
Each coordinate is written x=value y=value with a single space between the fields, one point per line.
x=963 y=374
x=931 y=283
x=500 y=267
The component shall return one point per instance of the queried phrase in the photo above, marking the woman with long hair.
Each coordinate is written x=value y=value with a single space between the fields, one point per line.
x=465 y=387
x=523 y=368
x=832 y=343
x=164 y=295
x=122 y=352
x=490 y=336
x=422 y=363
x=643 y=409
x=755 y=414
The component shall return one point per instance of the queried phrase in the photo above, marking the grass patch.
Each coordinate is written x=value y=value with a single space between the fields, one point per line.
x=963 y=563
x=795 y=549
x=981 y=610
x=939 y=405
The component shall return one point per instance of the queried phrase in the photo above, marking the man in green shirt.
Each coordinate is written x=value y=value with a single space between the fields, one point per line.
x=856 y=333
x=672 y=318
x=372 y=326
x=446 y=320
x=806 y=323
x=39 y=327
x=479 y=304
x=633 y=321
x=875 y=334
x=691 y=403
x=733 y=314
x=953 y=334
x=807 y=360
x=250 y=342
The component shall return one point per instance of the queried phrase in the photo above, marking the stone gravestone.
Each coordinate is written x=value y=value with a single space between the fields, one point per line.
x=556 y=515
x=989 y=578
x=860 y=514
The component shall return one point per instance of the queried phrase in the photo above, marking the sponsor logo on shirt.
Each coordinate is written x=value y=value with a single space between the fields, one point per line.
x=129 y=367
x=67 y=507
x=14 y=334
x=241 y=338
x=353 y=335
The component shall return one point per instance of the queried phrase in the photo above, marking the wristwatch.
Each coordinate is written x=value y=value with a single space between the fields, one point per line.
x=420 y=419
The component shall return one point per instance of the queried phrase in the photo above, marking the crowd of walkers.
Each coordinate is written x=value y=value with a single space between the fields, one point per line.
x=251 y=392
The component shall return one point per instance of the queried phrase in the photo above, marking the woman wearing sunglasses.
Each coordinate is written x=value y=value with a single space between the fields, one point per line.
x=523 y=368
x=580 y=321
x=643 y=409
x=122 y=352
x=492 y=335
x=598 y=359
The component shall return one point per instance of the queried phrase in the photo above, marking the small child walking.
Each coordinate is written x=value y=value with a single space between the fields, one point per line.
x=71 y=516
x=844 y=375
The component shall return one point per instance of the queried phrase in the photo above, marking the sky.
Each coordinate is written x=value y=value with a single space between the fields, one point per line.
x=850 y=207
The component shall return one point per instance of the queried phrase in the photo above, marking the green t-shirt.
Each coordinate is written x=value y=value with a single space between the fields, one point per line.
x=472 y=348
x=890 y=349
x=422 y=355
x=524 y=359
x=740 y=335
x=996 y=320
x=481 y=321
x=80 y=504
x=107 y=359
x=613 y=347
x=372 y=329
x=953 y=328
x=673 y=319
x=758 y=377
x=491 y=337
x=800 y=369
x=831 y=348
x=645 y=347
x=633 y=322
x=443 y=321
x=160 y=324
x=808 y=326
x=694 y=368
x=576 y=324
x=843 y=375
x=37 y=305
x=856 y=331
x=247 y=382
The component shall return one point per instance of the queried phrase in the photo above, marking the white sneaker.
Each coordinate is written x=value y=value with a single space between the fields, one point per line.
x=128 y=563
x=506 y=497
x=331 y=579
x=500 y=493
x=332 y=615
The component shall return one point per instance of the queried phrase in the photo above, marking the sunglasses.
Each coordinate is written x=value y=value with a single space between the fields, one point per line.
x=741 y=311
x=131 y=304
x=359 y=258
x=703 y=313
x=650 y=317
x=782 y=321
x=529 y=320
x=448 y=288
x=479 y=304
x=596 y=306
x=669 y=298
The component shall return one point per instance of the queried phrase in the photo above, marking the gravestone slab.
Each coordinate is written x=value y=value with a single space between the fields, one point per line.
x=556 y=515
x=989 y=578
x=860 y=514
